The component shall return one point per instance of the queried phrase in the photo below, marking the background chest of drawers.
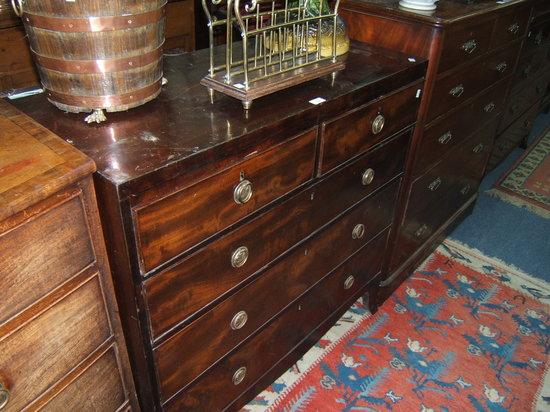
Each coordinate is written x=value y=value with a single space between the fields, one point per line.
x=61 y=343
x=473 y=53
x=238 y=239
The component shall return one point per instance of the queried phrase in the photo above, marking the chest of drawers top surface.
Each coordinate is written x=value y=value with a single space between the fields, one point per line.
x=182 y=130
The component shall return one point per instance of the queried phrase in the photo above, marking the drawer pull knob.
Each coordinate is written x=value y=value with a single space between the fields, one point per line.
x=478 y=149
x=469 y=46
x=421 y=231
x=489 y=107
x=239 y=257
x=239 y=375
x=239 y=320
x=445 y=138
x=367 y=177
x=348 y=283
x=358 y=231
x=457 y=91
x=435 y=184
x=501 y=67
x=4 y=396
x=242 y=192
x=513 y=28
x=378 y=123
x=465 y=190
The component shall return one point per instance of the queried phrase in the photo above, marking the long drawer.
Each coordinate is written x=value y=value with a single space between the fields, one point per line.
x=529 y=68
x=194 y=282
x=175 y=223
x=454 y=88
x=447 y=133
x=238 y=371
x=182 y=357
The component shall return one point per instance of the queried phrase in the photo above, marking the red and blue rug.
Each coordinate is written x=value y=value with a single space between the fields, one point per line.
x=464 y=332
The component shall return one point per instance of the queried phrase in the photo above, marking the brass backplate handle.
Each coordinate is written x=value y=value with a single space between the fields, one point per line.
x=457 y=91
x=469 y=46
x=435 y=184
x=479 y=148
x=489 y=107
x=445 y=138
x=239 y=320
x=367 y=177
x=501 y=67
x=239 y=256
x=513 y=28
x=4 y=396
x=378 y=123
x=242 y=192
x=239 y=375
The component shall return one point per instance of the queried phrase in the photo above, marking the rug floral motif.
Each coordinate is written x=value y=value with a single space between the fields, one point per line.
x=464 y=332
x=527 y=183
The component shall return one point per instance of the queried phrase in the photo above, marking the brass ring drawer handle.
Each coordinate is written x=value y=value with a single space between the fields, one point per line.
x=239 y=256
x=469 y=46
x=457 y=91
x=435 y=184
x=421 y=231
x=4 y=396
x=478 y=149
x=367 y=177
x=489 y=107
x=378 y=123
x=242 y=192
x=239 y=375
x=358 y=231
x=501 y=67
x=239 y=320
x=445 y=138
x=513 y=28
x=466 y=189
x=348 y=283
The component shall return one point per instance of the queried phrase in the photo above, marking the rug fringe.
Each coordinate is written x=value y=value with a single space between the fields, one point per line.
x=514 y=200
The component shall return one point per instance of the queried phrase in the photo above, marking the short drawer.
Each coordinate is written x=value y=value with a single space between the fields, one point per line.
x=172 y=225
x=510 y=26
x=447 y=133
x=237 y=372
x=193 y=283
x=183 y=357
x=453 y=89
x=43 y=252
x=463 y=43
x=529 y=68
x=355 y=132
x=44 y=350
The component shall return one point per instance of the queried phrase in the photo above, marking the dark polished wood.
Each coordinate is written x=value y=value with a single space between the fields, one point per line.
x=166 y=178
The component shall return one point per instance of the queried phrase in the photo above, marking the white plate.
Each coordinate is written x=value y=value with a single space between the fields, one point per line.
x=415 y=6
x=420 y=2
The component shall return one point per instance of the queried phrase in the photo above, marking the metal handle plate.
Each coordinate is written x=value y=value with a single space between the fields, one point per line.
x=348 y=283
x=478 y=149
x=239 y=320
x=4 y=396
x=469 y=46
x=358 y=231
x=445 y=138
x=465 y=190
x=457 y=91
x=421 y=231
x=239 y=375
x=501 y=67
x=367 y=177
x=239 y=256
x=435 y=184
x=489 y=107
x=242 y=192
x=378 y=123
x=513 y=28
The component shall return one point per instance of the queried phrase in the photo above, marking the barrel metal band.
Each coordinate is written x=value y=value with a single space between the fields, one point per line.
x=93 y=24
x=107 y=100
x=99 y=65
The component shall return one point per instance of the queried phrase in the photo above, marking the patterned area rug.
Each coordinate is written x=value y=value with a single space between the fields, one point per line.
x=465 y=332
x=527 y=183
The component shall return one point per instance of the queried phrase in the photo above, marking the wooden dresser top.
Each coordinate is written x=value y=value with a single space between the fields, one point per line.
x=182 y=130
x=34 y=162
x=447 y=11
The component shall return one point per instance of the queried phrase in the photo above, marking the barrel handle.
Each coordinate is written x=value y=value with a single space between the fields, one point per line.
x=17 y=7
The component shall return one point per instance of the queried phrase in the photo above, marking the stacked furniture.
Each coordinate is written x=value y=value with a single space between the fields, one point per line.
x=238 y=238
x=473 y=52
x=61 y=343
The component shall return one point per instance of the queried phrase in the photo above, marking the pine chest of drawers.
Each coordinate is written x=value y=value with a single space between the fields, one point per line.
x=61 y=343
x=236 y=238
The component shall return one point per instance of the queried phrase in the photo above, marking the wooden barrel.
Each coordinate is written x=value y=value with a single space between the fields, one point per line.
x=96 y=54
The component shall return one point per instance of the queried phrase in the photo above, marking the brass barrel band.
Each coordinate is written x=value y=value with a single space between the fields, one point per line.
x=105 y=101
x=93 y=24
x=99 y=65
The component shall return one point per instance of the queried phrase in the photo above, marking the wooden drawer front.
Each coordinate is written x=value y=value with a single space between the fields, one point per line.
x=172 y=225
x=183 y=357
x=510 y=26
x=447 y=133
x=455 y=88
x=353 y=133
x=191 y=284
x=216 y=389
x=43 y=252
x=44 y=350
x=462 y=44
x=537 y=39
x=529 y=68
x=98 y=388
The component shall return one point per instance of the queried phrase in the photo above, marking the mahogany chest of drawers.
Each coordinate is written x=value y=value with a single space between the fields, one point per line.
x=237 y=238
x=473 y=51
x=61 y=343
